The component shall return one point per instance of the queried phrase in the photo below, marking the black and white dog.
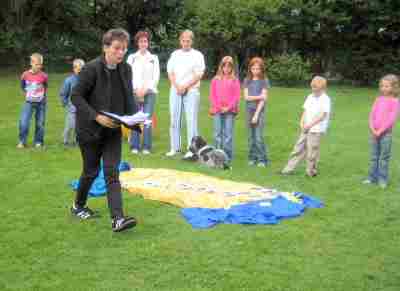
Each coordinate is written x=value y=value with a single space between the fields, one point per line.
x=208 y=155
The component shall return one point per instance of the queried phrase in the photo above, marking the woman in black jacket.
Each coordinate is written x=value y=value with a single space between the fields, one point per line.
x=105 y=84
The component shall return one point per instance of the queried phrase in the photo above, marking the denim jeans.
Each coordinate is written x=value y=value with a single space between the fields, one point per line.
x=223 y=132
x=148 y=107
x=69 y=128
x=190 y=103
x=380 y=155
x=257 y=147
x=25 y=121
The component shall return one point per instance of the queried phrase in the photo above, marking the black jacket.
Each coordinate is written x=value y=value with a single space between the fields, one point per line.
x=93 y=94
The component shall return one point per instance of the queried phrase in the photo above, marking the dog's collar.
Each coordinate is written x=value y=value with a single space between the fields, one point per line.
x=205 y=149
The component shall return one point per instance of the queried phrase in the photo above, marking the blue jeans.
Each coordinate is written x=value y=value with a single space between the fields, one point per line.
x=381 y=149
x=148 y=107
x=190 y=103
x=223 y=132
x=257 y=148
x=25 y=121
x=69 y=127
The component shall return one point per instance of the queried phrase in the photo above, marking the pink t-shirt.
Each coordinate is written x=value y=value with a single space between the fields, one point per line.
x=224 y=93
x=384 y=113
x=34 y=85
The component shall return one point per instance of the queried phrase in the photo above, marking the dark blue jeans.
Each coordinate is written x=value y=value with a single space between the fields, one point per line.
x=25 y=121
x=148 y=107
x=257 y=147
x=381 y=149
x=223 y=132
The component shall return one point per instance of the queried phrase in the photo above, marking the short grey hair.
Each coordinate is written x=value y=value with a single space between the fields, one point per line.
x=119 y=34
x=79 y=62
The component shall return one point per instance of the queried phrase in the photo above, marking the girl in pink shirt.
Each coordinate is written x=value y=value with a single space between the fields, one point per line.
x=224 y=99
x=381 y=121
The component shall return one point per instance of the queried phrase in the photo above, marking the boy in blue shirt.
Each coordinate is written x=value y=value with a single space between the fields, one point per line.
x=65 y=96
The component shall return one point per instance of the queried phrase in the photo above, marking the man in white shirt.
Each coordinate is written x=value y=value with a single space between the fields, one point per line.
x=313 y=123
x=185 y=69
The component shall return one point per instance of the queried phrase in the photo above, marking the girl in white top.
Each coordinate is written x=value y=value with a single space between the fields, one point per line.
x=145 y=78
x=185 y=69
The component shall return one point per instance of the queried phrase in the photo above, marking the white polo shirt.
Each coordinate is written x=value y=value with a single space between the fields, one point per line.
x=315 y=106
x=186 y=65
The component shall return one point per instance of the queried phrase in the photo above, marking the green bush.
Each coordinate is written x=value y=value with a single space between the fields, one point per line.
x=288 y=69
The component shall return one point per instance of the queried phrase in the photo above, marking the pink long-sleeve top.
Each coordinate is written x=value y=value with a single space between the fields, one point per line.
x=224 y=93
x=384 y=113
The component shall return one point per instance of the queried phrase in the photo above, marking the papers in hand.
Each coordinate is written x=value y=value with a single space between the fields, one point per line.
x=129 y=120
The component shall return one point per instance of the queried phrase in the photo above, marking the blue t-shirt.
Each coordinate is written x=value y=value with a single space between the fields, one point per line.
x=66 y=91
x=254 y=88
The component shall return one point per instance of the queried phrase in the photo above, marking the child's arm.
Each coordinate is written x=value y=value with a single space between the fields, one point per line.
x=316 y=120
x=260 y=105
x=213 y=98
x=390 y=118
x=65 y=93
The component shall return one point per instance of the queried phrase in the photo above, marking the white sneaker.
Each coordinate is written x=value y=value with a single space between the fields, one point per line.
x=20 y=145
x=134 y=151
x=188 y=155
x=38 y=145
x=171 y=153
x=146 y=152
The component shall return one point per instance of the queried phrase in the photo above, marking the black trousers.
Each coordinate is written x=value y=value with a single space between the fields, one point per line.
x=108 y=148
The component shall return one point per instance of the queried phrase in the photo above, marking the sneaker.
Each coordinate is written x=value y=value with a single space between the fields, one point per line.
x=146 y=152
x=38 y=145
x=20 y=145
x=171 y=153
x=382 y=184
x=82 y=212
x=134 y=151
x=252 y=163
x=188 y=155
x=285 y=173
x=367 y=182
x=122 y=223
x=262 y=164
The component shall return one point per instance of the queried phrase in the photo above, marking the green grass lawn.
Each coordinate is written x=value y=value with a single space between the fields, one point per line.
x=351 y=244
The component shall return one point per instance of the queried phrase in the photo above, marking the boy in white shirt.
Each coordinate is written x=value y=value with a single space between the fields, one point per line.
x=313 y=123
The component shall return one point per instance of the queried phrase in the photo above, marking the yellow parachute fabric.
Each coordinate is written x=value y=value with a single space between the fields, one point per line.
x=186 y=189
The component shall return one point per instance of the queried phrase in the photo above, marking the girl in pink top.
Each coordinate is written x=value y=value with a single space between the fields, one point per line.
x=381 y=121
x=224 y=99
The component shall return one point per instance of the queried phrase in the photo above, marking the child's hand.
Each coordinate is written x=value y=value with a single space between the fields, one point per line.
x=224 y=109
x=254 y=120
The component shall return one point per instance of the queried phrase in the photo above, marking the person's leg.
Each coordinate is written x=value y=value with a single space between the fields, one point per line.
x=228 y=134
x=386 y=150
x=217 y=119
x=297 y=155
x=111 y=160
x=135 y=136
x=259 y=139
x=374 y=159
x=148 y=108
x=312 y=153
x=175 y=110
x=91 y=158
x=68 y=126
x=24 y=122
x=191 y=103
x=40 y=117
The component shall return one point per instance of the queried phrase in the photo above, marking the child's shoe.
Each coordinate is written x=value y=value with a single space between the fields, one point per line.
x=134 y=151
x=146 y=152
x=262 y=164
x=367 y=182
x=382 y=184
x=20 y=145
x=38 y=145
x=252 y=163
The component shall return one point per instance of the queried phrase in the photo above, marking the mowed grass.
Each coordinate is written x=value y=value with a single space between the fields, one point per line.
x=351 y=244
